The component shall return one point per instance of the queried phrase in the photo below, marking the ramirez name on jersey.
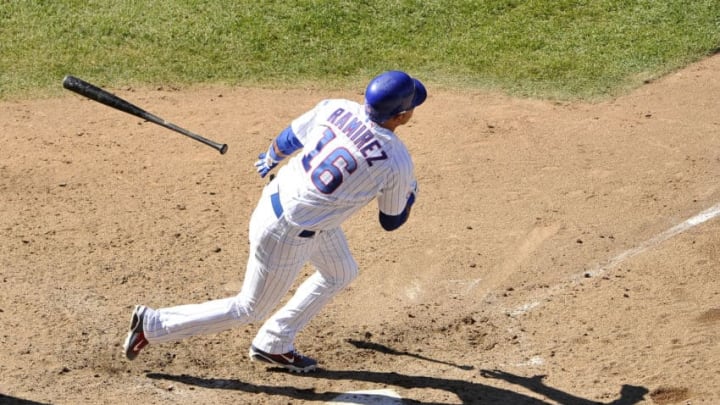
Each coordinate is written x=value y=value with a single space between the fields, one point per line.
x=359 y=134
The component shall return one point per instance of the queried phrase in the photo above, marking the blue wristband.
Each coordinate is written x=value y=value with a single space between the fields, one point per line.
x=287 y=142
x=271 y=153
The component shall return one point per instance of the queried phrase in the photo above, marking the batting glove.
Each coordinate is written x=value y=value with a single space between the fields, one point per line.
x=267 y=161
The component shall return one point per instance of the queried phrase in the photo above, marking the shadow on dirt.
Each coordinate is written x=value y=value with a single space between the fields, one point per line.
x=7 y=400
x=362 y=344
x=629 y=394
x=468 y=392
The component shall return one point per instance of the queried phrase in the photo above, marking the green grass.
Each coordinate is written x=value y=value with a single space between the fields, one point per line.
x=554 y=48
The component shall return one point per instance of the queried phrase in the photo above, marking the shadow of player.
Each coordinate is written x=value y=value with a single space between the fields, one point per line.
x=468 y=392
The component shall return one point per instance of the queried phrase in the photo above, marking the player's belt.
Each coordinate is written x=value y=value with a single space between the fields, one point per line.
x=277 y=207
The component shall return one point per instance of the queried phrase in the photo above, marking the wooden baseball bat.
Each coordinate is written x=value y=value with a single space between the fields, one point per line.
x=104 y=97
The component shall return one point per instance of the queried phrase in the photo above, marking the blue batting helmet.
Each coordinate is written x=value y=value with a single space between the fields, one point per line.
x=392 y=93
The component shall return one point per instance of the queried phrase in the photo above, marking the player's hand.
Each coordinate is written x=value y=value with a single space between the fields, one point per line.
x=267 y=161
x=264 y=164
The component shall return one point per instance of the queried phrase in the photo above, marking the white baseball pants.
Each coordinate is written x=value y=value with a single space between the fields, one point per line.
x=277 y=255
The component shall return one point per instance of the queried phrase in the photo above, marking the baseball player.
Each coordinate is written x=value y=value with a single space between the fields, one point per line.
x=348 y=156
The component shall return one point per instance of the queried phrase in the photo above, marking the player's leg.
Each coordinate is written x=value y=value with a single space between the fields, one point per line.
x=275 y=258
x=336 y=268
x=262 y=290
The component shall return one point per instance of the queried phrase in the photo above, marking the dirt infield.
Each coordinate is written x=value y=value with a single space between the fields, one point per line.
x=559 y=253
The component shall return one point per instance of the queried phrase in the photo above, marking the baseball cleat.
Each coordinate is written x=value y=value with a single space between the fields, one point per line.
x=135 y=340
x=293 y=361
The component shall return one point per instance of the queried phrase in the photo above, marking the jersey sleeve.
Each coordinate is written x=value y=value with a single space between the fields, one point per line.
x=303 y=124
x=397 y=189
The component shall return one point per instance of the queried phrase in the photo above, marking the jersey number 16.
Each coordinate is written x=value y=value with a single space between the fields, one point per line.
x=329 y=173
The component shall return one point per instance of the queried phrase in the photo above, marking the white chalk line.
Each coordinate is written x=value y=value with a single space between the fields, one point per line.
x=370 y=397
x=601 y=269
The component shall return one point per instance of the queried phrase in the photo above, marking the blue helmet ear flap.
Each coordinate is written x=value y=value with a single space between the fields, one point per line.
x=420 y=93
x=391 y=93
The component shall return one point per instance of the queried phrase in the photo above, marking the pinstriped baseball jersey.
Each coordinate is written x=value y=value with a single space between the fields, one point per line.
x=346 y=161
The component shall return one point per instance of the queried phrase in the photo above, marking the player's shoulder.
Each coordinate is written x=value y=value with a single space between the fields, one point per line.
x=394 y=148
x=389 y=138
